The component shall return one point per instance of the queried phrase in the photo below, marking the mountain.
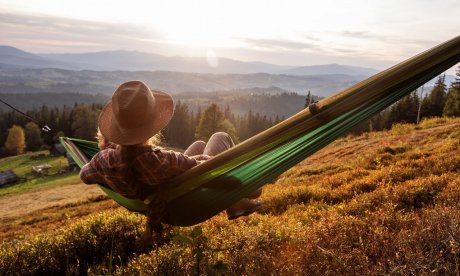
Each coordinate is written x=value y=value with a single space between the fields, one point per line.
x=138 y=61
x=11 y=57
x=105 y=82
x=331 y=69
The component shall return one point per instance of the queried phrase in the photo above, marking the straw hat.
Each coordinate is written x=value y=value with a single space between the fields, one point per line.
x=135 y=113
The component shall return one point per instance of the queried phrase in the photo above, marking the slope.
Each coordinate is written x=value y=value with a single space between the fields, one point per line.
x=380 y=203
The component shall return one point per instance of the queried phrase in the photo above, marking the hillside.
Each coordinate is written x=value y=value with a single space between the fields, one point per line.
x=381 y=203
x=105 y=82
x=271 y=102
x=11 y=57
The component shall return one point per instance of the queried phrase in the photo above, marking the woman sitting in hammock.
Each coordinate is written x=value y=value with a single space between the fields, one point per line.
x=130 y=163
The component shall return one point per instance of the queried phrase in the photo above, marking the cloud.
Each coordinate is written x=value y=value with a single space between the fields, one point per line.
x=358 y=34
x=277 y=44
x=388 y=39
x=44 y=33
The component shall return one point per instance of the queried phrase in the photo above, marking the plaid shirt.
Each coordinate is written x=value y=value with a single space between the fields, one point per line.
x=152 y=167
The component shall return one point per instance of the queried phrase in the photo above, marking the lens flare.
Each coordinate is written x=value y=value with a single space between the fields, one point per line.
x=212 y=59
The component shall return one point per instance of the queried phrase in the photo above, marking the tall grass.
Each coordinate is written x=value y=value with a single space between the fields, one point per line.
x=394 y=210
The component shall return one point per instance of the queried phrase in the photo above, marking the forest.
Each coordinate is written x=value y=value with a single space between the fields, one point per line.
x=19 y=133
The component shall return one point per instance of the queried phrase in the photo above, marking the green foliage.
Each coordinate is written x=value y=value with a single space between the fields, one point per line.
x=22 y=167
x=433 y=104
x=34 y=138
x=85 y=121
x=452 y=106
x=213 y=121
x=179 y=133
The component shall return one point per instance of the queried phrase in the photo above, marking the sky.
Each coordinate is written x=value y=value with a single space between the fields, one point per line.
x=366 y=33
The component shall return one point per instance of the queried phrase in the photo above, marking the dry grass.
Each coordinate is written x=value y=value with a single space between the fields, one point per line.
x=381 y=203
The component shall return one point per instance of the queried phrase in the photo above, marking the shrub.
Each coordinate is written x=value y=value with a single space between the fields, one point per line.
x=402 y=129
x=75 y=248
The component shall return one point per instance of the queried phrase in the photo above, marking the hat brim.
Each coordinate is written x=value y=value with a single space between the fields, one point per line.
x=164 y=109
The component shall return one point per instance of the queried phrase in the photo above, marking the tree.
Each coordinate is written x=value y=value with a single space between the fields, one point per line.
x=178 y=132
x=308 y=100
x=34 y=139
x=84 y=122
x=212 y=121
x=15 y=141
x=452 y=106
x=404 y=110
x=433 y=104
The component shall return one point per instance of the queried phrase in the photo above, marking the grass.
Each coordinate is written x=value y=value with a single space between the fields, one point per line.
x=43 y=182
x=22 y=167
x=382 y=203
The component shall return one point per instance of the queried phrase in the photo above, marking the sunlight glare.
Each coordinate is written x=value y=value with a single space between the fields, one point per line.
x=212 y=59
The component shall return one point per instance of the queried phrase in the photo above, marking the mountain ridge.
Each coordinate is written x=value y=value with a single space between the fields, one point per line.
x=105 y=82
x=11 y=57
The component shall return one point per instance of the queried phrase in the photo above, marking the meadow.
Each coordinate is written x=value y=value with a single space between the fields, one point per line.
x=29 y=180
x=379 y=203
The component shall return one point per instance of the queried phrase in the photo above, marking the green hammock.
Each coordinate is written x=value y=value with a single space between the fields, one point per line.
x=211 y=187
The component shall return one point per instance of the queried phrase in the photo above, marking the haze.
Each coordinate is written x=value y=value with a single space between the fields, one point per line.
x=363 y=33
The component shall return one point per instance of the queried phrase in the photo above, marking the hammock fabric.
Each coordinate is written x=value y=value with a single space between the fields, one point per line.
x=213 y=186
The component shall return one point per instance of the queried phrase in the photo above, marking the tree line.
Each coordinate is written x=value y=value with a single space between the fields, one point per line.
x=438 y=102
x=18 y=133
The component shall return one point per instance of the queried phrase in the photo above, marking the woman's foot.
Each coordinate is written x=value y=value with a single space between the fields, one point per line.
x=255 y=194
x=243 y=207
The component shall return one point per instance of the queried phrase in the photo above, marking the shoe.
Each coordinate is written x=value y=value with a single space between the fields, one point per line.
x=255 y=194
x=243 y=207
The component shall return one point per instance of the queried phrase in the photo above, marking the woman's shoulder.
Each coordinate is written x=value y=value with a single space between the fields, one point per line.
x=103 y=157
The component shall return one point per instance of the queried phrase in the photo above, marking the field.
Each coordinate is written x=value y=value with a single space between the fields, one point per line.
x=380 y=203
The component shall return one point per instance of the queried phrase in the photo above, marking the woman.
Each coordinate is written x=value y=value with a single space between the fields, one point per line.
x=130 y=165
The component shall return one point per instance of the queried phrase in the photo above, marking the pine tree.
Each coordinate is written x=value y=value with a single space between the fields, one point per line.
x=33 y=135
x=452 y=106
x=84 y=122
x=213 y=121
x=178 y=132
x=433 y=104
x=308 y=100
x=15 y=141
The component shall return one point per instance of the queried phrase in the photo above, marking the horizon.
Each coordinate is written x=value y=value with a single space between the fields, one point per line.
x=298 y=33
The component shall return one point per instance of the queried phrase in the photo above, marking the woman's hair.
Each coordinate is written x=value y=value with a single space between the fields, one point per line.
x=126 y=155
x=104 y=143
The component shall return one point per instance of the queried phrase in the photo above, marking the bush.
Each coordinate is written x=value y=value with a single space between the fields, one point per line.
x=102 y=238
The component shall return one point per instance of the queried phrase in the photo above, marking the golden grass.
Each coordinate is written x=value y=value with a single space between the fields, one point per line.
x=382 y=203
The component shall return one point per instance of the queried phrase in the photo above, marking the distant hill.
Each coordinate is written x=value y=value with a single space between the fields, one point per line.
x=331 y=69
x=138 y=61
x=29 y=101
x=11 y=57
x=271 y=102
x=105 y=82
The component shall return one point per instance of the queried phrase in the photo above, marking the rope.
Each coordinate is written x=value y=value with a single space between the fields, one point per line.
x=44 y=128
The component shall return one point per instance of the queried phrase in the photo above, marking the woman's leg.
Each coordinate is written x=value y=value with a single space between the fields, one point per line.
x=196 y=148
x=219 y=142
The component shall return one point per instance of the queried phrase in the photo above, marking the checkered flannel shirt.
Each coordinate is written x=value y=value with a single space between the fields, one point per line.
x=152 y=167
